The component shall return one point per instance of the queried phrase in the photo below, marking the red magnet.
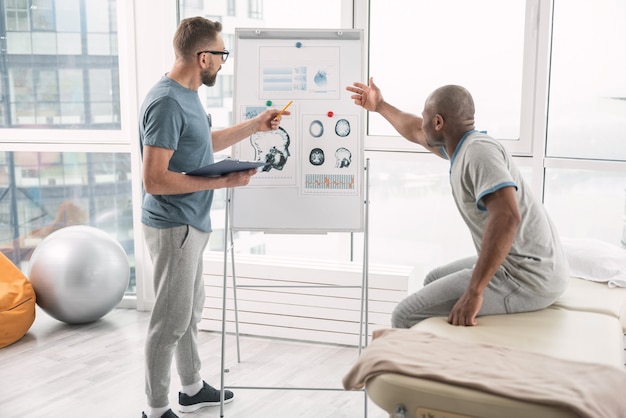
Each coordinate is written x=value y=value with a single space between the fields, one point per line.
x=330 y=114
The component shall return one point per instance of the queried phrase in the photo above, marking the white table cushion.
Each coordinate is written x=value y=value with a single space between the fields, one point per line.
x=590 y=296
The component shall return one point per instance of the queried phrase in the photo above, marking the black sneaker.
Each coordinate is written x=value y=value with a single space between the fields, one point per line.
x=168 y=414
x=208 y=396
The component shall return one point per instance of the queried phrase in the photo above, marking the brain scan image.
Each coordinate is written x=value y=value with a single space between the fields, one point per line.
x=316 y=129
x=342 y=127
x=343 y=158
x=316 y=156
x=271 y=147
x=320 y=78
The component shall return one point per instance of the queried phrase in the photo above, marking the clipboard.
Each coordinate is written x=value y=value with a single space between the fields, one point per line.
x=225 y=166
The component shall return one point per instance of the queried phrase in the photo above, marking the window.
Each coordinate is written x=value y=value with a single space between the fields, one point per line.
x=419 y=183
x=17 y=16
x=255 y=9
x=65 y=16
x=60 y=73
x=413 y=212
x=585 y=178
x=42 y=15
x=587 y=203
x=60 y=78
x=587 y=107
x=477 y=44
x=502 y=52
x=41 y=192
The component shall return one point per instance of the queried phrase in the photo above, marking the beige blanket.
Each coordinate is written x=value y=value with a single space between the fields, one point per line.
x=588 y=389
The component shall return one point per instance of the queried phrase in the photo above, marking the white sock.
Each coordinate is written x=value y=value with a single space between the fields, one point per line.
x=157 y=412
x=192 y=389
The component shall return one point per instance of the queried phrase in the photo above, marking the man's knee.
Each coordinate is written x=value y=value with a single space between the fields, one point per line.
x=401 y=317
x=397 y=321
x=431 y=277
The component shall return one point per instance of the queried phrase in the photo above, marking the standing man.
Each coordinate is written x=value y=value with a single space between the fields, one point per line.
x=176 y=137
x=520 y=265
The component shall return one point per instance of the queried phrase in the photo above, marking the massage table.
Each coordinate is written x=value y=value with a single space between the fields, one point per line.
x=585 y=326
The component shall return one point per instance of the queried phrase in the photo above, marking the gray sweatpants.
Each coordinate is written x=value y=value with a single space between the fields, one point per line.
x=444 y=286
x=179 y=298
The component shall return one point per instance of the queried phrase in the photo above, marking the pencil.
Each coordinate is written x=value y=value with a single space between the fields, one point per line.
x=283 y=111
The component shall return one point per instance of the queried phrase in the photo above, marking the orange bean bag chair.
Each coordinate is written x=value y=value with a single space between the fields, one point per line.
x=17 y=303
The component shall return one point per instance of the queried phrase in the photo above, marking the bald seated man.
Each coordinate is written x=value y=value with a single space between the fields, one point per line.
x=519 y=264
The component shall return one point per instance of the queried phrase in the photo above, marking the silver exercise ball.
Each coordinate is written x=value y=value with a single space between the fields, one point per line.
x=79 y=273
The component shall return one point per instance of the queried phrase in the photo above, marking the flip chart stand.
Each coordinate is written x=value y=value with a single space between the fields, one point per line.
x=364 y=309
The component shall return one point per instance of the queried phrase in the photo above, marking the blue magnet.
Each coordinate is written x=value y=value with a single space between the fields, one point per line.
x=298 y=44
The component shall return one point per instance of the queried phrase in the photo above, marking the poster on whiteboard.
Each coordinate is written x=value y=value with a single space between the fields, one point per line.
x=313 y=177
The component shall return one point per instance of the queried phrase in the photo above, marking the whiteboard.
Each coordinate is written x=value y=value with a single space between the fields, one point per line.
x=313 y=180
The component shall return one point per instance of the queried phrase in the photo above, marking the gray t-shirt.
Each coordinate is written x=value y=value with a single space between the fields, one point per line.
x=172 y=117
x=479 y=166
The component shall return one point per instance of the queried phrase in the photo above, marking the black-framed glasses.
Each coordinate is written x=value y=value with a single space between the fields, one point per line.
x=223 y=53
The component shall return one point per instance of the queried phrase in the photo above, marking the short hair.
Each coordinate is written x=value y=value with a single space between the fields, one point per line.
x=454 y=102
x=193 y=33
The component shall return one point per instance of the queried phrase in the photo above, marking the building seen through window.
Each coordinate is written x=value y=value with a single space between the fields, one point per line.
x=60 y=64
x=43 y=192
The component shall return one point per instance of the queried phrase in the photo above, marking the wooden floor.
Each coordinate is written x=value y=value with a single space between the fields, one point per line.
x=96 y=370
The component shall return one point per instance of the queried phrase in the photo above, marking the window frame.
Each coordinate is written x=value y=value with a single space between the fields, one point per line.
x=534 y=81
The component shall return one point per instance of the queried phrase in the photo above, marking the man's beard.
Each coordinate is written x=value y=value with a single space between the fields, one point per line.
x=209 y=79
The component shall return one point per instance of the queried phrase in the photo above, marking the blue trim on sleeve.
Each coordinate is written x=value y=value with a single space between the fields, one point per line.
x=489 y=191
